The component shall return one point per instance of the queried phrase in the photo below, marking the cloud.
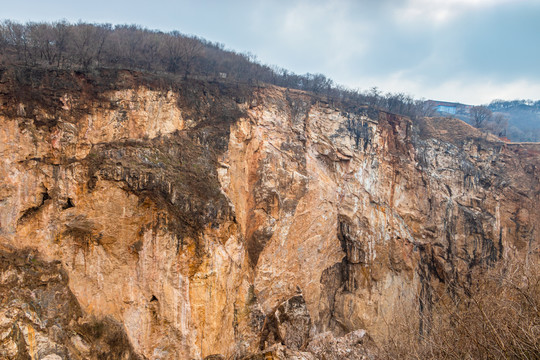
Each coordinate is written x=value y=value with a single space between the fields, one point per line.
x=308 y=36
x=479 y=91
x=442 y=11
x=467 y=50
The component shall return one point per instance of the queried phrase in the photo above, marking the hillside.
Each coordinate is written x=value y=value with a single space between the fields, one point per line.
x=523 y=118
x=89 y=48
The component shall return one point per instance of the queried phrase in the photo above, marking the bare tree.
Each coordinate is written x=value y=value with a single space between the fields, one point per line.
x=150 y=50
x=126 y=46
x=424 y=108
x=61 y=36
x=88 y=41
x=480 y=116
x=181 y=52
x=16 y=36
x=3 y=41
x=499 y=124
x=191 y=48
x=374 y=96
x=43 y=43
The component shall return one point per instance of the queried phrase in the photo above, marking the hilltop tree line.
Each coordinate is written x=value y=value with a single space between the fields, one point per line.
x=87 y=47
x=501 y=105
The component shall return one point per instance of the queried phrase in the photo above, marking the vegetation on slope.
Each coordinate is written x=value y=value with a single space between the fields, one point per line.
x=495 y=316
x=91 y=48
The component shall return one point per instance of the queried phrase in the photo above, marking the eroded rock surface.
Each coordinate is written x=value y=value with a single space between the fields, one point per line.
x=41 y=319
x=193 y=218
x=289 y=324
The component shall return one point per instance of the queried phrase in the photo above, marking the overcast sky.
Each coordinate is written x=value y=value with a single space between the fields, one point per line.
x=470 y=51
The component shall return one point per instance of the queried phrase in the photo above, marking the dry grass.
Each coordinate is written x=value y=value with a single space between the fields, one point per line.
x=497 y=317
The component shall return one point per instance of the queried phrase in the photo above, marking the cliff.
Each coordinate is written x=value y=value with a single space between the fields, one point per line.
x=164 y=223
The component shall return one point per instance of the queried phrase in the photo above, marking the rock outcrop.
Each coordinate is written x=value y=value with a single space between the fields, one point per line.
x=211 y=222
x=41 y=319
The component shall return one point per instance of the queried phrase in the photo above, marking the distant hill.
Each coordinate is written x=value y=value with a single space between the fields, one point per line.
x=523 y=118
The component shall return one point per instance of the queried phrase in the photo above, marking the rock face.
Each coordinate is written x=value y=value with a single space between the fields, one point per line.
x=41 y=319
x=219 y=226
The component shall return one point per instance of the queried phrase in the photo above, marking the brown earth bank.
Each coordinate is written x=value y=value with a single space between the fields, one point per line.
x=150 y=219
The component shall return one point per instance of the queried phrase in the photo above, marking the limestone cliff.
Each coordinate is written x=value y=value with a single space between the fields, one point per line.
x=212 y=221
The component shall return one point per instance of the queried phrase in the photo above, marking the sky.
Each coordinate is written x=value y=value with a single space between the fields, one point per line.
x=470 y=51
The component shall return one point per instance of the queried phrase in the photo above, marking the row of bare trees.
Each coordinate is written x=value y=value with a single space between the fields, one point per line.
x=85 y=46
x=499 y=105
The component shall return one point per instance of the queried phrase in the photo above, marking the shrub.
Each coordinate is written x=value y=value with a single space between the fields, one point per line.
x=497 y=316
